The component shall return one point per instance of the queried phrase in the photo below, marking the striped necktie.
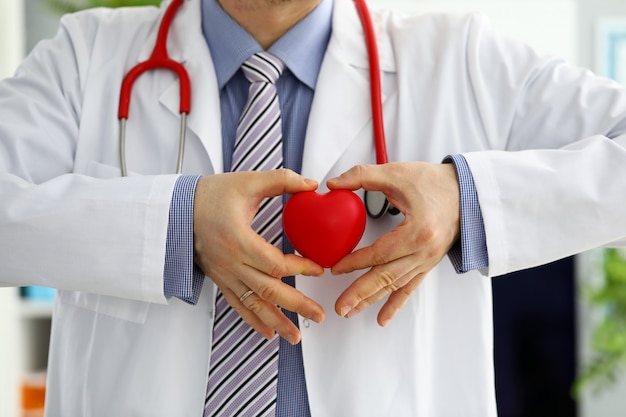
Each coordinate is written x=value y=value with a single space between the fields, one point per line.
x=243 y=373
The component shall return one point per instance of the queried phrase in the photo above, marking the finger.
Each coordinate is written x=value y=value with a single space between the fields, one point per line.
x=368 y=177
x=270 y=260
x=398 y=299
x=297 y=265
x=383 y=293
x=389 y=247
x=263 y=274
x=373 y=285
x=279 y=181
x=277 y=293
x=247 y=315
x=272 y=317
x=264 y=316
x=268 y=265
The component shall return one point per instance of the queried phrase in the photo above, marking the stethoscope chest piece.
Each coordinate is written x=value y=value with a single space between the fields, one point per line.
x=377 y=205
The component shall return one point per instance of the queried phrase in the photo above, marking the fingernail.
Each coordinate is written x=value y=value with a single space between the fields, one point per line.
x=310 y=181
x=352 y=313
x=335 y=271
x=345 y=310
x=318 y=318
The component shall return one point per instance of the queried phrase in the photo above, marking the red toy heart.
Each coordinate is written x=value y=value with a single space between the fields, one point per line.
x=324 y=227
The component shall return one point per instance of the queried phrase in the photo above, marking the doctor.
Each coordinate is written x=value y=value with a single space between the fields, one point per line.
x=538 y=144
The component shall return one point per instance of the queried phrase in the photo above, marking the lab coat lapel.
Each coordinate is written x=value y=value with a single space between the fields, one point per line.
x=340 y=111
x=186 y=44
x=341 y=108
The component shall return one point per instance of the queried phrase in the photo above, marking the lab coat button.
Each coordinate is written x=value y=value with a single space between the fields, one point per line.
x=306 y=323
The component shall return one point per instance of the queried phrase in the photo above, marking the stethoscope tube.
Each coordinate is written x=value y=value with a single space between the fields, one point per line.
x=376 y=203
x=376 y=96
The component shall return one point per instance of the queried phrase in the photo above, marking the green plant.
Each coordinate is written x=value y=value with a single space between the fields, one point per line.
x=609 y=337
x=70 y=6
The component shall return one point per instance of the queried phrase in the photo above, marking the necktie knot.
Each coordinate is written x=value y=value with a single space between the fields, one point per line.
x=263 y=67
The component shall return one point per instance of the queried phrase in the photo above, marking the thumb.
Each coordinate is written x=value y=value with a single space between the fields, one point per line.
x=280 y=181
x=367 y=177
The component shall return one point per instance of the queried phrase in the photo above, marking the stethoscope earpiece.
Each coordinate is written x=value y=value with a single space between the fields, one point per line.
x=377 y=205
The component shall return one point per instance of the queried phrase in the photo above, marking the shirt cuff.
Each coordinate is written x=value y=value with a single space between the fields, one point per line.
x=182 y=278
x=470 y=253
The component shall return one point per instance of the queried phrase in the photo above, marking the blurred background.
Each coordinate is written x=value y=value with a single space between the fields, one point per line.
x=553 y=324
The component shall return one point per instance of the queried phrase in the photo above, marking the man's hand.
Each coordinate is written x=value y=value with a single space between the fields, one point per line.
x=238 y=260
x=428 y=196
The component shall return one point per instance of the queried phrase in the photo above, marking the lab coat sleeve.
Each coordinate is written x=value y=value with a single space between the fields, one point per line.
x=554 y=183
x=58 y=228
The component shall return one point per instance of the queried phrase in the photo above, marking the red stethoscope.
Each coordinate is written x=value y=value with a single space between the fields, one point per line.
x=376 y=203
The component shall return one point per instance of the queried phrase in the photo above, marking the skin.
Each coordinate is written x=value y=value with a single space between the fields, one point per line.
x=237 y=259
x=268 y=20
x=428 y=197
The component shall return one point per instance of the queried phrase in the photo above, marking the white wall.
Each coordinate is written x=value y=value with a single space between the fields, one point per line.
x=550 y=26
x=11 y=51
x=11 y=35
x=590 y=12
x=10 y=357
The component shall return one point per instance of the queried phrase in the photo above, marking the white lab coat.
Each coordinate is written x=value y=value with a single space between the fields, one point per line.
x=120 y=348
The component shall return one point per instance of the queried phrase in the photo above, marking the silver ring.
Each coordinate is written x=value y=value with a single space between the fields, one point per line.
x=246 y=295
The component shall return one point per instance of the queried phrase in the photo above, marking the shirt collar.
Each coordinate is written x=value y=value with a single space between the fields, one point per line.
x=302 y=48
